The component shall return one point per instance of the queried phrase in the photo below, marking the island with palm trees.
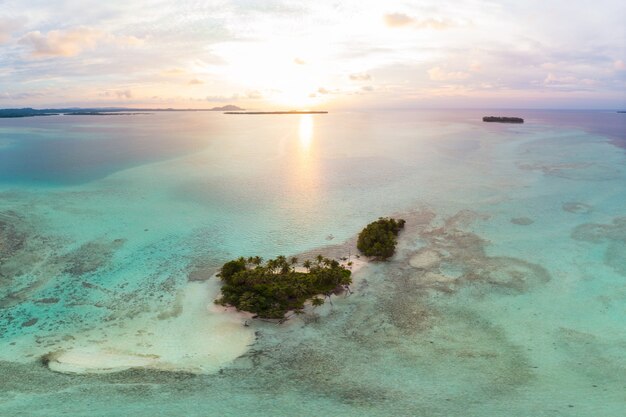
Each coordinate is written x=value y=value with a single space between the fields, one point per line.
x=272 y=288
x=277 y=286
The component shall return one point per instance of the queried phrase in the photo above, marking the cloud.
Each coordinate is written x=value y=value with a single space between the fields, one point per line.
x=71 y=42
x=438 y=24
x=299 y=61
x=118 y=93
x=568 y=81
x=8 y=26
x=195 y=81
x=21 y=96
x=360 y=77
x=438 y=74
x=254 y=95
x=124 y=94
x=131 y=41
x=62 y=42
x=619 y=65
x=173 y=72
x=398 y=20
x=367 y=88
x=221 y=99
x=251 y=95
x=475 y=66
x=322 y=90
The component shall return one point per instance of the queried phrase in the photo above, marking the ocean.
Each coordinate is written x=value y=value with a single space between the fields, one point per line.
x=505 y=297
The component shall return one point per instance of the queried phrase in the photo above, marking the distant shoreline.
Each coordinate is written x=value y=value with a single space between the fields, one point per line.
x=101 y=111
x=276 y=112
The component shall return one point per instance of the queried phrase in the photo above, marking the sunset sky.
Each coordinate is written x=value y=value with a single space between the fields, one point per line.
x=313 y=54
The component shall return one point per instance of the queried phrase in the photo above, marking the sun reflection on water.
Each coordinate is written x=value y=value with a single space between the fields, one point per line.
x=306 y=131
x=304 y=167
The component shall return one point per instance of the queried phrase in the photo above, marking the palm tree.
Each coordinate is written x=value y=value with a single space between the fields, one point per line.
x=307 y=265
x=316 y=302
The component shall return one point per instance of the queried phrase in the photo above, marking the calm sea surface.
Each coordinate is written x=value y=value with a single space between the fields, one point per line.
x=506 y=296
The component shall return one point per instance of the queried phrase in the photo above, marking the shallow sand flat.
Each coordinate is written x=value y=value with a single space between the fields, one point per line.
x=425 y=259
x=199 y=338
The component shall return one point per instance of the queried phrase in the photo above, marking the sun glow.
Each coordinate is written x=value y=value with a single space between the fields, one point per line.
x=305 y=132
x=285 y=73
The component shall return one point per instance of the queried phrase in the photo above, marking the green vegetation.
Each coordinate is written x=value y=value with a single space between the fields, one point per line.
x=378 y=239
x=273 y=288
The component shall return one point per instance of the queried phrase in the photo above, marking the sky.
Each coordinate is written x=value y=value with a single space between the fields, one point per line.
x=270 y=54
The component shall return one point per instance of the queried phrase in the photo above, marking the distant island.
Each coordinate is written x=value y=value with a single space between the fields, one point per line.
x=276 y=112
x=621 y=111
x=228 y=107
x=100 y=111
x=500 y=119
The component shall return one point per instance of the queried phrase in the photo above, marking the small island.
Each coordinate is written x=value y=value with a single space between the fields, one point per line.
x=500 y=119
x=271 y=289
x=228 y=107
x=99 y=113
x=276 y=112
x=379 y=238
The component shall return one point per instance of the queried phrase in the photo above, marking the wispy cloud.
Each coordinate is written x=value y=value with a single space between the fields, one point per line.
x=311 y=53
x=61 y=42
x=70 y=42
x=363 y=76
x=119 y=94
x=8 y=26
x=396 y=20
x=439 y=74
x=399 y=20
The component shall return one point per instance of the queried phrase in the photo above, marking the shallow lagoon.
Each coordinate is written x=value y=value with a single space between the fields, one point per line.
x=506 y=296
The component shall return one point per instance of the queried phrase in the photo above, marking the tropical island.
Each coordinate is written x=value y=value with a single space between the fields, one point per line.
x=500 y=119
x=379 y=238
x=277 y=286
x=271 y=289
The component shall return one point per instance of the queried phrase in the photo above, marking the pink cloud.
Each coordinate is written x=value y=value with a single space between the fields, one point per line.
x=360 y=77
x=72 y=42
x=438 y=74
x=396 y=20
x=61 y=42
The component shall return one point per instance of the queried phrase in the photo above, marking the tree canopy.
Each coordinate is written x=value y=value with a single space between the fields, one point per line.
x=379 y=238
x=273 y=288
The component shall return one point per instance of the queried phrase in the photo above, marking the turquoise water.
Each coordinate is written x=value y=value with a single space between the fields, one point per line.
x=506 y=296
